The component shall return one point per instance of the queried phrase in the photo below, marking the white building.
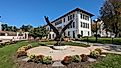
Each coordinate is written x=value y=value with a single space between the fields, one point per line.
x=102 y=32
x=7 y=35
x=81 y=24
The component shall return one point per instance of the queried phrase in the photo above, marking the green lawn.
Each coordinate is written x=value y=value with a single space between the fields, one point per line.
x=7 y=54
x=103 y=40
x=111 y=61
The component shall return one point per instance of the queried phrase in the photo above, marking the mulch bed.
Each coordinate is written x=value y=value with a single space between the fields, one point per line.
x=24 y=64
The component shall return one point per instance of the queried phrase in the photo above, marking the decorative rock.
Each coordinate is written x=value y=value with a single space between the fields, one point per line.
x=25 y=59
x=91 y=60
x=57 y=64
x=60 y=47
x=103 y=55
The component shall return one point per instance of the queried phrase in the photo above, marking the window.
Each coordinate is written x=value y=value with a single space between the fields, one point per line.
x=48 y=28
x=81 y=24
x=53 y=35
x=73 y=24
x=73 y=34
x=59 y=22
x=73 y=16
x=81 y=16
x=49 y=36
x=88 y=25
x=85 y=25
x=82 y=33
x=63 y=19
x=68 y=18
x=68 y=33
x=88 y=33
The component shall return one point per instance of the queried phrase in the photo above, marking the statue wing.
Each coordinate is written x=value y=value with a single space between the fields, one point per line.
x=51 y=26
x=65 y=27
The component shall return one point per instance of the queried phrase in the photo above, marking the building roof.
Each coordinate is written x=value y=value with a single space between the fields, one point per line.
x=77 y=9
x=9 y=32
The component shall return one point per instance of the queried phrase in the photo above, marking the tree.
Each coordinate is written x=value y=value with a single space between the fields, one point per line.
x=93 y=27
x=26 y=28
x=110 y=13
x=4 y=27
x=38 y=32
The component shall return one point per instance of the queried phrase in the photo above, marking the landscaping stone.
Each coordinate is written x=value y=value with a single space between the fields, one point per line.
x=25 y=59
x=91 y=60
x=20 y=58
x=103 y=55
x=57 y=64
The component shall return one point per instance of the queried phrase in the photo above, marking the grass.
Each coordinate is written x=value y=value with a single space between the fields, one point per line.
x=103 y=40
x=111 y=61
x=7 y=54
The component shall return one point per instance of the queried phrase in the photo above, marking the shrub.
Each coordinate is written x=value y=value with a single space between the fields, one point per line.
x=67 y=60
x=12 y=42
x=36 y=59
x=78 y=35
x=26 y=47
x=94 y=54
x=84 y=57
x=21 y=53
x=39 y=58
x=21 y=49
x=99 y=50
x=31 y=58
x=47 y=60
x=29 y=46
x=76 y=58
x=7 y=43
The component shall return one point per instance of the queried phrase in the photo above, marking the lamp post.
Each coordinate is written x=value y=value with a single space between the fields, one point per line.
x=112 y=37
x=96 y=21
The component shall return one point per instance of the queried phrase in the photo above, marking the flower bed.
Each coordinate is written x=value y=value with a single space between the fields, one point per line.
x=49 y=60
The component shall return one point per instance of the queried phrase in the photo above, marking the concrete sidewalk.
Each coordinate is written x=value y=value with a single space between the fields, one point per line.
x=107 y=48
x=98 y=44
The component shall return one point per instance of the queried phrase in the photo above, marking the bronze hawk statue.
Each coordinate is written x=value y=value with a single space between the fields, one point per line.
x=58 y=37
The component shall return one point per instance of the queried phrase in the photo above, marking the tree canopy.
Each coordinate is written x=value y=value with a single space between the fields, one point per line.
x=110 y=14
x=26 y=28
x=5 y=27
x=38 y=32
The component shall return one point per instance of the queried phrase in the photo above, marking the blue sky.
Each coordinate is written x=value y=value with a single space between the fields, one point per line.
x=19 y=12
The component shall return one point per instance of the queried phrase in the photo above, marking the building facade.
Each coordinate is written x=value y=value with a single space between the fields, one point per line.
x=81 y=24
x=13 y=35
x=102 y=32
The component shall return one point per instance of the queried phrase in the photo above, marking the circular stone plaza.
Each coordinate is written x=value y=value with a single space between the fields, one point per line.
x=58 y=54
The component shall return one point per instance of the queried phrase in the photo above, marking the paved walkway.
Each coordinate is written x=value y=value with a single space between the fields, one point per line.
x=99 y=44
x=108 y=48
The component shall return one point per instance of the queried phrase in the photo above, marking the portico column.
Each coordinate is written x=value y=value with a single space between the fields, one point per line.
x=27 y=35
